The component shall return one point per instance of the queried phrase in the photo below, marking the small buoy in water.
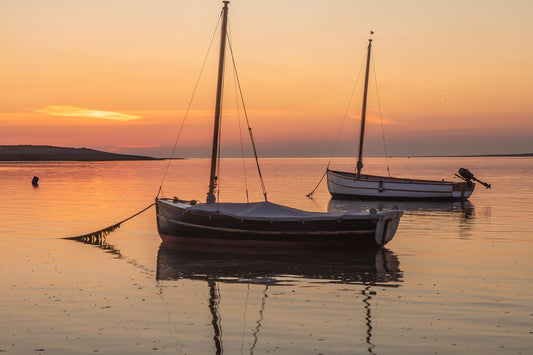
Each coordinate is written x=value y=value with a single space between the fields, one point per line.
x=35 y=181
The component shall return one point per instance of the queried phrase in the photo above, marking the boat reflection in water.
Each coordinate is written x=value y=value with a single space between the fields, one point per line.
x=409 y=207
x=367 y=267
x=420 y=215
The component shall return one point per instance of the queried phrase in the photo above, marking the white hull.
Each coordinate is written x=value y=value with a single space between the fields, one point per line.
x=347 y=185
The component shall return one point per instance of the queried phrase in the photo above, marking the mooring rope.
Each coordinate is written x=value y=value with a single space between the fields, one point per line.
x=317 y=185
x=102 y=233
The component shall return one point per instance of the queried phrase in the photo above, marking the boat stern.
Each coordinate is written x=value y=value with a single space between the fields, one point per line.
x=461 y=191
x=386 y=226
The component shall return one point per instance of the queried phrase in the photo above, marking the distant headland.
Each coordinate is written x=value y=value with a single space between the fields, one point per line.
x=52 y=153
x=474 y=155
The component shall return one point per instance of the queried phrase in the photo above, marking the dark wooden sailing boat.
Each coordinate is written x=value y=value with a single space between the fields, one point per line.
x=264 y=224
x=354 y=185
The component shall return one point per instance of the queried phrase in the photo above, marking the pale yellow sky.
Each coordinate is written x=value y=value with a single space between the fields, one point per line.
x=453 y=77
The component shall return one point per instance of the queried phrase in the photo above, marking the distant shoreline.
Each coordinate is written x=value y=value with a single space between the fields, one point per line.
x=470 y=156
x=53 y=153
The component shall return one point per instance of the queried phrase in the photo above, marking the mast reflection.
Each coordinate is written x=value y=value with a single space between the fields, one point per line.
x=369 y=267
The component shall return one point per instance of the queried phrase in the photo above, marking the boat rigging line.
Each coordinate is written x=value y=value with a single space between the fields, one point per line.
x=359 y=164
x=180 y=130
x=241 y=140
x=99 y=235
x=263 y=187
x=242 y=145
x=381 y=118
x=239 y=97
x=339 y=132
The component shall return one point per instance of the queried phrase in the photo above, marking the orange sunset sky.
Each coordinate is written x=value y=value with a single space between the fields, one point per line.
x=453 y=77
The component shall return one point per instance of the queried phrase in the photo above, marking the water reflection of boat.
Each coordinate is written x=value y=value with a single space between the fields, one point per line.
x=368 y=268
x=464 y=207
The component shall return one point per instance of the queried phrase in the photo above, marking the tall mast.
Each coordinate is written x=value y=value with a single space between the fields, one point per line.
x=214 y=153
x=363 y=114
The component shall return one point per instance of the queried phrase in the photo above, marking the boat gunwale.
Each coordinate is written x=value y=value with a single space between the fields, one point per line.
x=348 y=216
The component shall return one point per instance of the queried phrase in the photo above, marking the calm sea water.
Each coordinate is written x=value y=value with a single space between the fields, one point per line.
x=456 y=278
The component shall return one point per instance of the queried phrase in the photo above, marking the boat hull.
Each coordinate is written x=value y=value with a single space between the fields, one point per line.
x=176 y=222
x=345 y=185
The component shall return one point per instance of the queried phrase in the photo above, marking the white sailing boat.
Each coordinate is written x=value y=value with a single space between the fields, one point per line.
x=355 y=185
x=264 y=224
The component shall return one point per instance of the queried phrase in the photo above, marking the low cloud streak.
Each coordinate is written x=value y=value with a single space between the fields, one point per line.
x=71 y=111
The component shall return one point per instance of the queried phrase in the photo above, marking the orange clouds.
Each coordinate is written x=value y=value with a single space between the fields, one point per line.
x=70 y=111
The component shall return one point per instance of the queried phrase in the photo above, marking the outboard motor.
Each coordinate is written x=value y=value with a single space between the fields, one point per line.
x=467 y=176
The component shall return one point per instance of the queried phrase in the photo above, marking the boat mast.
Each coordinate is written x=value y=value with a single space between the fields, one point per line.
x=363 y=114
x=214 y=153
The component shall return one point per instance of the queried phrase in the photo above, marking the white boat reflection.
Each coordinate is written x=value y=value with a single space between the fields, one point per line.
x=409 y=207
